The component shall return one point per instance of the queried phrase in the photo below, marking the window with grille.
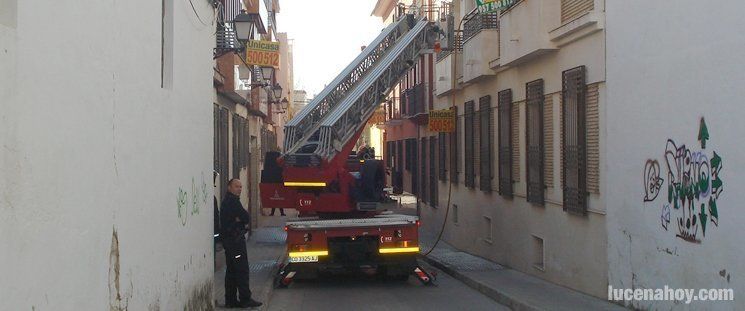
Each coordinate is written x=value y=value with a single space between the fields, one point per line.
x=455 y=150
x=222 y=154
x=441 y=155
x=389 y=153
x=485 y=144
x=413 y=152
x=409 y=153
x=574 y=144
x=468 y=125
x=534 y=140
x=423 y=170
x=504 y=108
x=433 y=141
x=398 y=172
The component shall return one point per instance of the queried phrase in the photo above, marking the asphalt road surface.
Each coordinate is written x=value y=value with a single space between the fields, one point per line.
x=357 y=292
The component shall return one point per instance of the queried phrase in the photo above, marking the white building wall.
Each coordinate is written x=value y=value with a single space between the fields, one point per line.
x=670 y=65
x=105 y=177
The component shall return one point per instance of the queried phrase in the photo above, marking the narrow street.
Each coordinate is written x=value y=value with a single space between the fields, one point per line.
x=356 y=293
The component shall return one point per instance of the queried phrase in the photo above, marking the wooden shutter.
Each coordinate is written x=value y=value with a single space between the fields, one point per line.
x=442 y=156
x=468 y=125
x=455 y=149
x=432 y=169
x=504 y=108
x=485 y=141
x=414 y=168
x=548 y=141
x=534 y=140
x=574 y=166
x=216 y=138
x=423 y=170
x=571 y=9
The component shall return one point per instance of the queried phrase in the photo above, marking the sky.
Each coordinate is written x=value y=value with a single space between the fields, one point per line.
x=327 y=35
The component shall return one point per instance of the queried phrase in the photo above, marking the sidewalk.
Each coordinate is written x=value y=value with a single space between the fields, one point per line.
x=517 y=290
x=266 y=247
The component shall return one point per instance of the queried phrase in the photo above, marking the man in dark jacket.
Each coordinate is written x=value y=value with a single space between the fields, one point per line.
x=233 y=220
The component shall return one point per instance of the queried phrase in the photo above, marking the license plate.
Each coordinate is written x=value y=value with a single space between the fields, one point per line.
x=304 y=259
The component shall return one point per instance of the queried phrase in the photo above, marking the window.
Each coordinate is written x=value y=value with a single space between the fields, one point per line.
x=574 y=153
x=485 y=143
x=240 y=144
x=468 y=125
x=411 y=153
x=454 y=150
x=505 y=142
x=432 y=169
x=390 y=153
x=423 y=170
x=534 y=140
x=398 y=173
x=442 y=155
x=221 y=139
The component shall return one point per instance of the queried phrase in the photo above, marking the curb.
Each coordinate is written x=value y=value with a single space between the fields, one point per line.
x=268 y=288
x=492 y=293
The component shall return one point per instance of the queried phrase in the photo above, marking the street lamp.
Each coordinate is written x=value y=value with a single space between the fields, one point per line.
x=277 y=90
x=284 y=103
x=244 y=27
x=266 y=73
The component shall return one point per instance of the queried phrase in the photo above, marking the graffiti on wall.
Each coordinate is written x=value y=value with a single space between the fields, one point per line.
x=198 y=196
x=694 y=185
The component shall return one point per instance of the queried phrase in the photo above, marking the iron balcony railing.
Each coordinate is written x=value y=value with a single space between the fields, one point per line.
x=416 y=100
x=476 y=22
x=457 y=45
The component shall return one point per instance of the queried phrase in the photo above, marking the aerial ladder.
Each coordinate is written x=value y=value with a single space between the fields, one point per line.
x=343 y=220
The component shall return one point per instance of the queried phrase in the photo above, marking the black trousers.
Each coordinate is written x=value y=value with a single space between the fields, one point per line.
x=236 y=274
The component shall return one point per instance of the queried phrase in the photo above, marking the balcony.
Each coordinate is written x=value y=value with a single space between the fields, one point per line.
x=444 y=80
x=231 y=84
x=480 y=45
x=416 y=103
x=524 y=31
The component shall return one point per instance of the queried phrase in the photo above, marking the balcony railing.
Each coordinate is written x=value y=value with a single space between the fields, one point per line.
x=457 y=45
x=476 y=22
x=416 y=100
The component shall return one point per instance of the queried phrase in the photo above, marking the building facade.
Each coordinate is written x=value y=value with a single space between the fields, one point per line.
x=549 y=98
x=105 y=172
x=517 y=193
x=674 y=164
x=248 y=119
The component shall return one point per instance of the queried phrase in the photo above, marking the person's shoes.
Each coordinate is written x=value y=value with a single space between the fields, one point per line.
x=233 y=305
x=283 y=215
x=250 y=304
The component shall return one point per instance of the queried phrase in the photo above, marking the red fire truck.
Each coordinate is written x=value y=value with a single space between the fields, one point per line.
x=344 y=222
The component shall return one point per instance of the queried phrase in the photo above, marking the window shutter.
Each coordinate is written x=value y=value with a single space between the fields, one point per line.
x=534 y=140
x=485 y=139
x=423 y=172
x=432 y=175
x=468 y=125
x=442 y=153
x=505 y=142
x=455 y=149
x=574 y=166
x=548 y=141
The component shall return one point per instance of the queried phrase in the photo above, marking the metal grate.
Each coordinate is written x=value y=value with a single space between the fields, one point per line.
x=505 y=142
x=442 y=155
x=469 y=144
x=485 y=144
x=574 y=166
x=423 y=170
x=534 y=140
x=432 y=169
x=476 y=22
x=455 y=149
